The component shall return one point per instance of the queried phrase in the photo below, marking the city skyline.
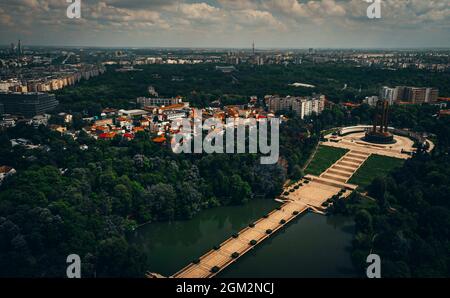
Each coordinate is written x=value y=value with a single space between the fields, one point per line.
x=228 y=24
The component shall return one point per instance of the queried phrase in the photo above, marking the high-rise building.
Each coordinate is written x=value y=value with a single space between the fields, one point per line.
x=19 y=48
x=432 y=95
x=389 y=94
x=400 y=92
x=28 y=104
x=414 y=95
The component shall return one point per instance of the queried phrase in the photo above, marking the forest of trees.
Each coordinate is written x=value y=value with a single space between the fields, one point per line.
x=203 y=84
x=65 y=200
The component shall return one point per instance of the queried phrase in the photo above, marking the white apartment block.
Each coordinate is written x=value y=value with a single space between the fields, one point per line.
x=302 y=106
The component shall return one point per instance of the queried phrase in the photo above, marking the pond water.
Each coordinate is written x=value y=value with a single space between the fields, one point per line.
x=311 y=246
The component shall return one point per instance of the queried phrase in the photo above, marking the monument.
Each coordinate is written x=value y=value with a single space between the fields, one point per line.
x=380 y=134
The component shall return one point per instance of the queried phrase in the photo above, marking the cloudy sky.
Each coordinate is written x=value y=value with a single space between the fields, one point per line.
x=227 y=23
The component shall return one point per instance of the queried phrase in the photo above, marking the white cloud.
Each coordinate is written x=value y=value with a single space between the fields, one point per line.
x=279 y=18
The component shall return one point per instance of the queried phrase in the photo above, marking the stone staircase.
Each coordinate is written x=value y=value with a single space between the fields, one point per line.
x=346 y=167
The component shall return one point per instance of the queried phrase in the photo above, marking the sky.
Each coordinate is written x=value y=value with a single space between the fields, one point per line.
x=227 y=23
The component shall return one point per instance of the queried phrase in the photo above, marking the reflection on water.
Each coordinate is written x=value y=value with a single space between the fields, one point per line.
x=311 y=246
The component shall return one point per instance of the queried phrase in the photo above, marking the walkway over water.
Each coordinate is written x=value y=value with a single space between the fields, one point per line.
x=309 y=194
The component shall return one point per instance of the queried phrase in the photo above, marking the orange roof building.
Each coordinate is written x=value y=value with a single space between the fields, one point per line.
x=128 y=135
x=444 y=113
x=107 y=135
x=159 y=140
x=177 y=106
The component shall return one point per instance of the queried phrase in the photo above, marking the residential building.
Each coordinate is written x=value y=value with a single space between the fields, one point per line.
x=302 y=106
x=157 y=102
x=5 y=172
x=8 y=122
x=39 y=120
x=103 y=122
x=174 y=114
x=414 y=95
x=388 y=94
x=132 y=113
x=67 y=117
x=27 y=104
x=372 y=100
x=432 y=95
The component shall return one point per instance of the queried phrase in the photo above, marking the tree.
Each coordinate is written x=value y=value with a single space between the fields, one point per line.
x=240 y=191
x=363 y=221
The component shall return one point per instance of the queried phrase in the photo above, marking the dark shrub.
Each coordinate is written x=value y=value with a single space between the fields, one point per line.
x=282 y=221
x=253 y=242
x=235 y=255
x=269 y=231
x=215 y=269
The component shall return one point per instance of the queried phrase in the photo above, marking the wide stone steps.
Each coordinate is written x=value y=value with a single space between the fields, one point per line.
x=334 y=178
x=348 y=164
x=343 y=169
x=340 y=173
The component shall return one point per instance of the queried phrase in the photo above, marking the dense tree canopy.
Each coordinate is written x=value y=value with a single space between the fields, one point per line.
x=203 y=84
x=66 y=200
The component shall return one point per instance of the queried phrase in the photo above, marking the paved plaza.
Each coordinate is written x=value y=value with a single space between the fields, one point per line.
x=401 y=149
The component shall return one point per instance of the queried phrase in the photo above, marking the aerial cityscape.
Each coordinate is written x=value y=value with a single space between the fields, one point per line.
x=230 y=140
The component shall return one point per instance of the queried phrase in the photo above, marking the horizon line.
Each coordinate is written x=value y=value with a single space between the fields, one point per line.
x=235 y=48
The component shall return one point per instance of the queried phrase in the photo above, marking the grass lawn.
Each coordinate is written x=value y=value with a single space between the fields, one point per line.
x=375 y=166
x=324 y=158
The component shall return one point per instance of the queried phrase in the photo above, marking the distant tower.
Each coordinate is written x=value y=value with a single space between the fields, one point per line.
x=13 y=48
x=253 y=46
x=19 y=48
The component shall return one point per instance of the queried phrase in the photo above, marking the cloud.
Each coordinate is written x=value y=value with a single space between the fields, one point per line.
x=201 y=12
x=281 y=20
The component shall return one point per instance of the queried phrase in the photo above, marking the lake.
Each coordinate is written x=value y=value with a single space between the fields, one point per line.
x=311 y=246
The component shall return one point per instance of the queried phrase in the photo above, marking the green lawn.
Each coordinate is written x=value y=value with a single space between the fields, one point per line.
x=375 y=166
x=324 y=158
